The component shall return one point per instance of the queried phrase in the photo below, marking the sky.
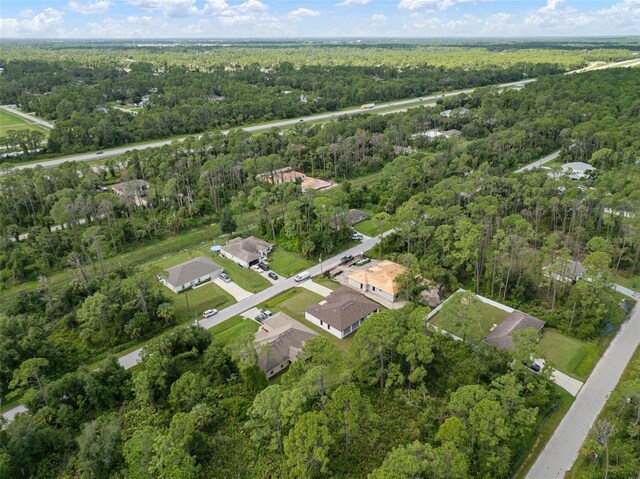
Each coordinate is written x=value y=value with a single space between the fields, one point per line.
x=319 y=18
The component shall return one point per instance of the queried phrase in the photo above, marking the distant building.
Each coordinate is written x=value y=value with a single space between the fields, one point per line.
x=279 y=341
x=458 y=112
x=378 y=278
x=190 y=273
x=246 y=251
x=569 y=270
x=576 y=170
x=133 y=190
x=342 y=312
x=501 y=336
x=450 y=133
x=281 y=175
x=429 y=134
x=350 y=217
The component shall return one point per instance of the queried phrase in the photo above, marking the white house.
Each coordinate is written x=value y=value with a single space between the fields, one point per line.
x=576 y=170
x=246 y=251
x=378 y=279
x=190 y=273
x=342 y=312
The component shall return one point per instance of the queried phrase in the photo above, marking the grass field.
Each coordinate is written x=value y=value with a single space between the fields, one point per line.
x=326 y=282
x=286 y=263
x=14 y=122
x=631 y=282
x=569 y=355
x=233 y=328
x=584 y=468
x=472 y=322
x=195 y=301
x=369 y=227
x=245 y=278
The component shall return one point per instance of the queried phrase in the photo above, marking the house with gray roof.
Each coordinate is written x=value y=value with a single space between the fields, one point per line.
x=246 y=251
x=342 y=312
x=350 y=217
x=134 y=190
x=501 y=335
x=279 y=342
x=569 y=271
x=190 y=273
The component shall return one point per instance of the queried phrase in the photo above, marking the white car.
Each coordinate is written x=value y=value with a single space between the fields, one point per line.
x=209 y=312
x=357 y=236
x=256 y=268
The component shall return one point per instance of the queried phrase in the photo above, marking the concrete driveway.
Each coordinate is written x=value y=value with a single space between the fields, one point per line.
x=233 y=289
x=316 y=288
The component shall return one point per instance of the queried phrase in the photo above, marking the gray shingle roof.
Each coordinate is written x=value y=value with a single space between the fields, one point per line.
x=247 y=249
x=501 y=338
x=343 y=307
x=191 y=270
x=351 y=217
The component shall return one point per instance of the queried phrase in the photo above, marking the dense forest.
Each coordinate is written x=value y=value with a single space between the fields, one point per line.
x=397 y=400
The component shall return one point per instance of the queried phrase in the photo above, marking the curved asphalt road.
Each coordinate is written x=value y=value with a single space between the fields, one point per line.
x=402 y=104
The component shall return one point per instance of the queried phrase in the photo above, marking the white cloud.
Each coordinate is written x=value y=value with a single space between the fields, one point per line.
x=378 y=18
x=44 y=24
x=351 y=3
x=90 y=8
x=551 y=6
x=299 y=13
x=170 y=8
x=413 y=5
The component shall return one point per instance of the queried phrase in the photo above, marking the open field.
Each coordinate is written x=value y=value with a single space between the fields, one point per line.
x=471 y=325
x=14 y=122
x=631 y=282
x=569 y=355
x=370 y=227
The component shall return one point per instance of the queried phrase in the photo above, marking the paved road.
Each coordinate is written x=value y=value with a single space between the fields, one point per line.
x=32 y=119
x=402 y=104
x=539 y=162
x=562 y=449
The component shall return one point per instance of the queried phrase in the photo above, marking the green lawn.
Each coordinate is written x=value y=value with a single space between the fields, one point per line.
x=208 y=296
x=233 y=328
x=471 y=321
x=370 y=227
x=7 y=119
x=286 y=263
x=326 y=282
x=570 y=355
x=293 y=302
x=245 y=278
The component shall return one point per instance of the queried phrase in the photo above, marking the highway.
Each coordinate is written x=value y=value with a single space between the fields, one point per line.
x=562 y=449
x=400 y=104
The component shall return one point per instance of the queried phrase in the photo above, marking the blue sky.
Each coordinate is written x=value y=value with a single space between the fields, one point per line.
x=319 y=18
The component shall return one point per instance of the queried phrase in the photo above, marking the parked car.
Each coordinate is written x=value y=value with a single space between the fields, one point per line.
x=241 y=265
x=210 y=312
x=256 y=268
x=346 y=258
x=302 y=276
x=100 y=152
x=261 y=317
x=225 y=277
x=267 y=313
x=263 y=266
x=357 y=236
x=272 y=275
x=533 y=366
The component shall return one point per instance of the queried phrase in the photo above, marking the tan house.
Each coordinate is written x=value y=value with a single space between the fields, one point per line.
x=282 y=175
x=378 y=278
x=246 y=251
x=279 y=341
x=342 y=312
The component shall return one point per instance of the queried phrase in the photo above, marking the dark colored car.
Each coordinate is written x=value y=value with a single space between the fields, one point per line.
x=261 y=317
x=99 y=152
x=346 y=258
x=533 y=366
x=263 y=266
x=272 y=275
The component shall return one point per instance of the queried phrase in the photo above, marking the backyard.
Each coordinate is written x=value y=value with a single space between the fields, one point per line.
x=569 y=355
x=465 y=316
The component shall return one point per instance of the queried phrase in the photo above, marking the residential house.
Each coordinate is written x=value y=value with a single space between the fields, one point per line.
x=350 y=217
x=378 y=278
x=429 y=134
x=576 y=170
x=569 y=270
x=281 y=175
x=450 y=133
x=279 y=341
x=246 y=251
x=342 y=312
x=133 y=190
x=190 y=273
x=501 y=336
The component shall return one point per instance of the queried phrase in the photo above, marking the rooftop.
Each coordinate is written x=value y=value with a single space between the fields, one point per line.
x=381 y=275
x=343 y=307
x=501 y=338
x=247 y=249
x=191 y=270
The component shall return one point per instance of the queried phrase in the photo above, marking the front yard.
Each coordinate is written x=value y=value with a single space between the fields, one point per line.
x=286 y=263
x=194 y=302
x=569 y=355
x=370 y=227
x=246 y=278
